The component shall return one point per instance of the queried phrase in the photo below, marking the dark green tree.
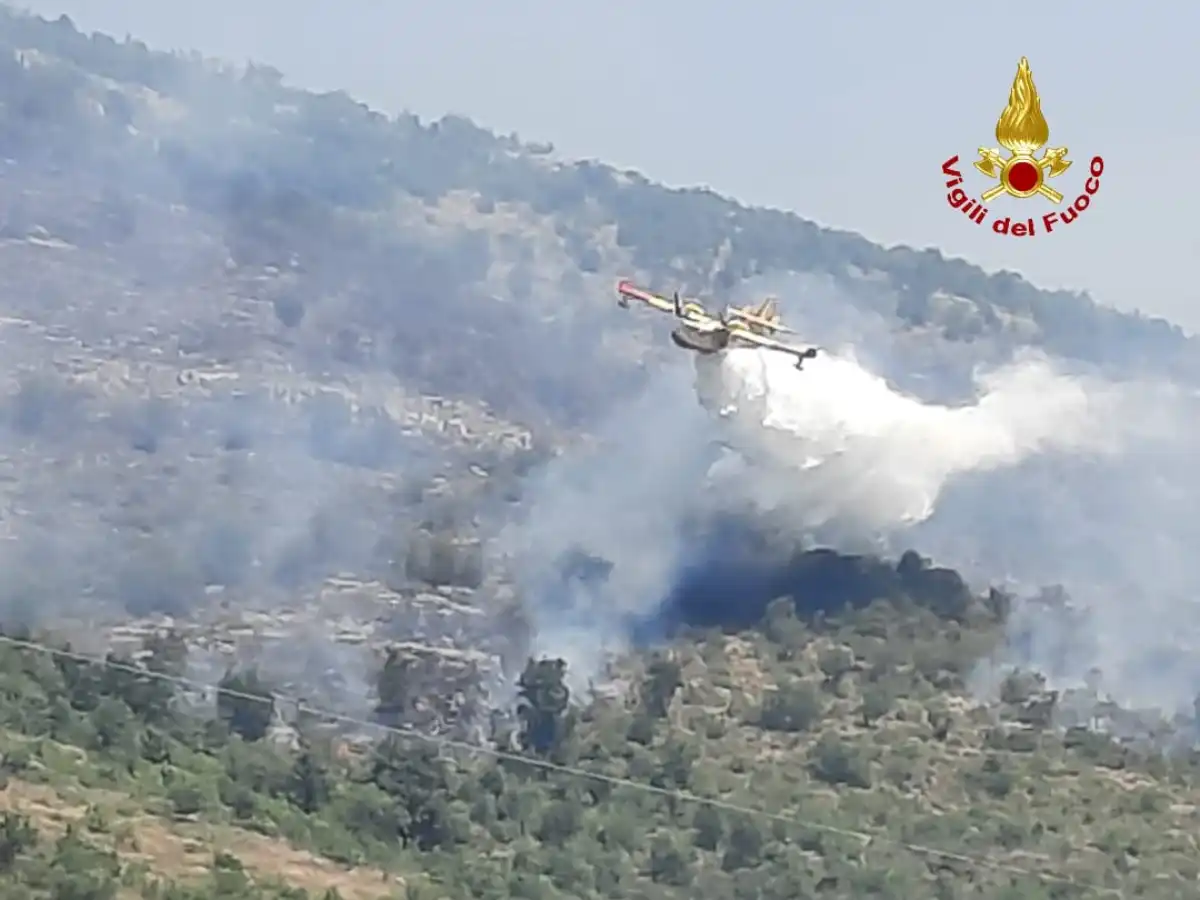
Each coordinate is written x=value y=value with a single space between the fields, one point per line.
x=395 y=687
x=833 y=761
x=709 y=825
x=791 y=708
x=543 y=705
x=877 y=702
x=418 y=780
x=663 y=679
x=311 y=783
x=670 y=862
x=146 y=693
x=17 y=835
x=835 y=663
x=745 y=846
x=246 y=704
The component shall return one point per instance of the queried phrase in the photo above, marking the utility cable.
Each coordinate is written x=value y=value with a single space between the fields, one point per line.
x=441 y=741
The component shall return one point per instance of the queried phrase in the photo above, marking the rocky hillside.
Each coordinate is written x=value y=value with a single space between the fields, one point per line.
x=277 y=306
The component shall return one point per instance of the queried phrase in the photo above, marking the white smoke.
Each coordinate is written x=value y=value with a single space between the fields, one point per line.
x=1044 y=478
x=837 y=444
x=621 y=499
x=1022 y=473
x=834 y=447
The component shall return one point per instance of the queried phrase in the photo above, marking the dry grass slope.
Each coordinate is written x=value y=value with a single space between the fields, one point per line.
x=183 y=851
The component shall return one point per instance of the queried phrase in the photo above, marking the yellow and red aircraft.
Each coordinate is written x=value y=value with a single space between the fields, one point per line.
x=703 y=332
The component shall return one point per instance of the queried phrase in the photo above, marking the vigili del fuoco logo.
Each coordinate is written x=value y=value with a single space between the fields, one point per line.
x=1022 y=131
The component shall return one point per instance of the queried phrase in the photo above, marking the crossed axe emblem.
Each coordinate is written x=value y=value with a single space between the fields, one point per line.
x=1029 y=171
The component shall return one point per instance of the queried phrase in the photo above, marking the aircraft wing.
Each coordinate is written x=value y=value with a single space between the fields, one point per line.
x=767 y=343
x=629 y=291
x=765 y=315
x=770 y=324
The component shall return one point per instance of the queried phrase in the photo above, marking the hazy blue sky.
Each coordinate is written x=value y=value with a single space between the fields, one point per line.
x=843 y=112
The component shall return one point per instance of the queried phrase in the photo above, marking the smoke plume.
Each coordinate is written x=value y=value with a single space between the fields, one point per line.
x=1022 y=471
x=224 y=214
x=837 y=444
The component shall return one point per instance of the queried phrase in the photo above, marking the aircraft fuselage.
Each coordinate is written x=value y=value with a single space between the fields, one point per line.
x=700 y=341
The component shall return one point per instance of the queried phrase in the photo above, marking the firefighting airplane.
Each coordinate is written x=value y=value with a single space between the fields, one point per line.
x=701 y=331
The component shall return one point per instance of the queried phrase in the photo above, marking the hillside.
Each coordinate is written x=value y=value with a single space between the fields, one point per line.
x=276 y=370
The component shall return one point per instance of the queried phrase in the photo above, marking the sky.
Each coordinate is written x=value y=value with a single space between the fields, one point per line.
x=842 y=113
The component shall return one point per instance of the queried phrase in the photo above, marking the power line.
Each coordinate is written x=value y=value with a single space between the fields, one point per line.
x=441 y=741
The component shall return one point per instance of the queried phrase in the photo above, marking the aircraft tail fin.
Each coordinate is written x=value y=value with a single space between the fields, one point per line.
x=762 y=318
x=768 y=311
